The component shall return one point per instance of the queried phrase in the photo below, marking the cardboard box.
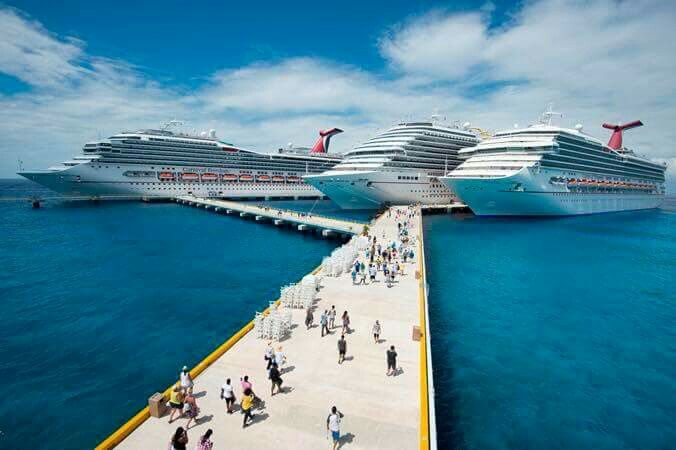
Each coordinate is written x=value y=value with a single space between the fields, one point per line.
x=157 y=405
x=417 y=335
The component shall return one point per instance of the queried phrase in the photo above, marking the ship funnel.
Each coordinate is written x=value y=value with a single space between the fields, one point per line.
x=615 y=141
x=322 y=143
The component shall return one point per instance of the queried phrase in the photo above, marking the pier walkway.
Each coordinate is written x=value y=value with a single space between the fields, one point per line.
x=279 y=217
x=381 y=412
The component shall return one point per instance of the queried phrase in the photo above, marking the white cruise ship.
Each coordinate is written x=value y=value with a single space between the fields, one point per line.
x=399 y=166
x=163 y=163
x=548 y=170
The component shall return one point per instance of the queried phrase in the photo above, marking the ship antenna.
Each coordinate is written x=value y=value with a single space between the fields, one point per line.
x=170 y=124
x=546 y=117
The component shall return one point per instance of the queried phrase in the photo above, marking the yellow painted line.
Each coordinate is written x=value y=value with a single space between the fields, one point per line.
x=424 y=394
x=125 y=430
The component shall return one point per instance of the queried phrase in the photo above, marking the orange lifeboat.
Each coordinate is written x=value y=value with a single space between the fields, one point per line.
x=293 y=179
x=246 y=177
x=263 y=178
x=166 y=176
x=229 y=177
x=277 y=179
x=209 y=177
x=189 y=176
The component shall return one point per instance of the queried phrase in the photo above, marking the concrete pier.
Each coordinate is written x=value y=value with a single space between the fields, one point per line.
x=381 y=412
x=325 y=226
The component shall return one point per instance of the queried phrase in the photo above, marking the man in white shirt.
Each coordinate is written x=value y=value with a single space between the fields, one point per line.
x=229 y=395
x=333 y=425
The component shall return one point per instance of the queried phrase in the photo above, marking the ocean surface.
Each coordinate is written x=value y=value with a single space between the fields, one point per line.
x=102 y=304
x=557 y=333
x=554 y=333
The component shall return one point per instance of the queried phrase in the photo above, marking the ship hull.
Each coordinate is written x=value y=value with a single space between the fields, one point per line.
x=536 y=196
x=87 y=180
x=374 y=189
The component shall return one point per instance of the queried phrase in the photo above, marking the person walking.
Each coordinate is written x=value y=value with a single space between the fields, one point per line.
x=186 y=380
x=391 y=361
x=309 y=317
x=204 y=442
x=280 y=358
x=276 y=379
x=376 y=332
x=346 y=323
x=342 y=349
x=179 y=441
x=193 y=409
x=353 y=274
x=247 y=406
x=372 y=273
x=324 y=322
x=332 y=317
x=176 y=401
x=333 y=425
x=269 y=355
x=228 y=394
x=247 y=386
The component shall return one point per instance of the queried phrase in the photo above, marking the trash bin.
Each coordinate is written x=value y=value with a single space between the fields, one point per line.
x=157 y=405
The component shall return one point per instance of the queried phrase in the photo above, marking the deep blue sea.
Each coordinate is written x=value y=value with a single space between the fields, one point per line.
x=555 y=333
x=102 y=304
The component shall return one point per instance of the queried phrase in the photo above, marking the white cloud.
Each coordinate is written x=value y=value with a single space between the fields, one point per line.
x=440 y=46
x=32 y=54
x=597 y=60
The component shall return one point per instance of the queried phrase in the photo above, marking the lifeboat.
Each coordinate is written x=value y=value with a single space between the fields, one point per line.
x=277 y=179
x=166 y=176
x=229 y=177
x=263 y=178
x=293 y=179
x=246 y=177
x=209 y=176
x=572 y=182
x=189 y=176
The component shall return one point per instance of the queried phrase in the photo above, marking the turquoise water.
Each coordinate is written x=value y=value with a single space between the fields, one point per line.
x=103 y=304
x=554 y=333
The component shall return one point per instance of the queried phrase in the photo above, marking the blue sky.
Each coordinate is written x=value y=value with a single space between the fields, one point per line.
x=267 y=73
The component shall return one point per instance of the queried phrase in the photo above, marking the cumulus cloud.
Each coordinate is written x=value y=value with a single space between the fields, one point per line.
x=598 y=60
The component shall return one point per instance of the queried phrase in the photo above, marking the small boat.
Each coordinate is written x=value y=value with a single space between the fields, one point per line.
x=189 y=176
x=229 y=177
x=293 y=179
x=207 y=176
x=277 y=179
x=166 y=176
x=246 y=177
x=263 y=178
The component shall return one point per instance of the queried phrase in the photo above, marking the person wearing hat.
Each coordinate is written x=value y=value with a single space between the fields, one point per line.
x=186 y=380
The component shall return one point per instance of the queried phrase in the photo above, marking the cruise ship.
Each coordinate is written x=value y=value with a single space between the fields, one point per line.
x=398 y=166
x=163 y=163
x=547 y=170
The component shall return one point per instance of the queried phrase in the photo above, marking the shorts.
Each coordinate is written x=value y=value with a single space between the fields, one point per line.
x=176 y=405
x=335 y=435
x=341 y=352
x=392 y=365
